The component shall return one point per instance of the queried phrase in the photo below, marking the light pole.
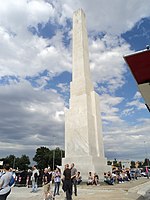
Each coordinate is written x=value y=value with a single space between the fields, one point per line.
x=53 y=159
x=54 y=153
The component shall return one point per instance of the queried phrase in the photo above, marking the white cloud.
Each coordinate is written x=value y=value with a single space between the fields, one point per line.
x=118 y=18
x=64 y=87
x=136 y=102
x=128 y=111
x=109 y=108
x=127 y=141
x=23 y=53
x=30 y=117
x=17 y=15
x=107 y=64
x=137 y=95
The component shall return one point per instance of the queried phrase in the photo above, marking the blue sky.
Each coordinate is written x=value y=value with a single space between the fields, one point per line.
x=36 y=66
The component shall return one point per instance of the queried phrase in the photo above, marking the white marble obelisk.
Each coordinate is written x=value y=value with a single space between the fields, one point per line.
x=83 y=127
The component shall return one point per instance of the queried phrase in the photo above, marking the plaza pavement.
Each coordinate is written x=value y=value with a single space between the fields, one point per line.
x=133 y=190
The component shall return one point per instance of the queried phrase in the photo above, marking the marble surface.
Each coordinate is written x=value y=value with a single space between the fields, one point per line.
x=83 y=126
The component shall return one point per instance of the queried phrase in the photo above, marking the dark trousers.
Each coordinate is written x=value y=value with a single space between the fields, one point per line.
x=56 y=189
x=74 y=184
x=67 y=187
x=4 y=196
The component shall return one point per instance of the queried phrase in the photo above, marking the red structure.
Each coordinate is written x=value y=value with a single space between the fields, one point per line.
x=139 y=64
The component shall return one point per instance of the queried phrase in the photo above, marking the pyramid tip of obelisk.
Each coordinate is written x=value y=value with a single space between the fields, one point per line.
x=79 y=11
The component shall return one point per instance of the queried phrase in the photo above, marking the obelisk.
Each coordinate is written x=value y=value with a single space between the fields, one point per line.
x=83 y=127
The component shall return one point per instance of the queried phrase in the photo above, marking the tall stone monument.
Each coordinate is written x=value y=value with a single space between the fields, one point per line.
x=83 y=127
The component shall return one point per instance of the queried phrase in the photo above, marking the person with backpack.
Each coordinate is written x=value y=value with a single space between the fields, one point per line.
x=34 y=178
x=5 y=187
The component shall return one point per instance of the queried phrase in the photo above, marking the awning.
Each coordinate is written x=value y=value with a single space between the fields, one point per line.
x=139 y=64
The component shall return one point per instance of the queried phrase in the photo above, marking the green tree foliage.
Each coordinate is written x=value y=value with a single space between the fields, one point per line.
x=11 y=160
x=45 y=157
x=21 y=163
x=42 y=157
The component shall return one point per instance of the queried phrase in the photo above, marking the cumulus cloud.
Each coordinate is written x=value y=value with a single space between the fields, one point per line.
x=136 y=102
x=119 y=140
x=118 y=18
x=30 y=117
x=22 y=52
x=106 y=56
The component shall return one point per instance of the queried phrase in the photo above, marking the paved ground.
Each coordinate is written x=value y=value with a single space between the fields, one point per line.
x=134 y=190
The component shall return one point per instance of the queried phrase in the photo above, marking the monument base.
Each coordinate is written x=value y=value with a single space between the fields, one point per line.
x=86 y=164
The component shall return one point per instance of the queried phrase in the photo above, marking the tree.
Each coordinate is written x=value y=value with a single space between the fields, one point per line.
x=22 y=163
x=11 y=160
x=45 y=157
x=42 y=157
x=16 y=162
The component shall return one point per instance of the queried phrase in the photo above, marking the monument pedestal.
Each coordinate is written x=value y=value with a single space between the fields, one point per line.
x=86 y=164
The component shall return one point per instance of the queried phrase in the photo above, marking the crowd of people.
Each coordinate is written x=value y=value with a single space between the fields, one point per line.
x=35 y=178
x=69 y=178
x=118 y=176
x=123 y=175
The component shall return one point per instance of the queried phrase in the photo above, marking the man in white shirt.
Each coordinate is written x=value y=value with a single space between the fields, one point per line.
x=34 y=178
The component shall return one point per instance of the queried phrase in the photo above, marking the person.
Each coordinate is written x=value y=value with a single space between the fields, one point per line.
x=147 y=172
x=57 y=180
x=73 y=179
x=79 y=178
x=51 y=175
x=46 y=184
x=90 y=179
x=95 y=179
x=108 y=178
x=67 y=182
x=34 y=178
x=5 y=189
x=12 y=171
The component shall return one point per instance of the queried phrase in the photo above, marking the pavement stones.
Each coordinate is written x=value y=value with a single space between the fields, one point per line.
x=133 y=190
